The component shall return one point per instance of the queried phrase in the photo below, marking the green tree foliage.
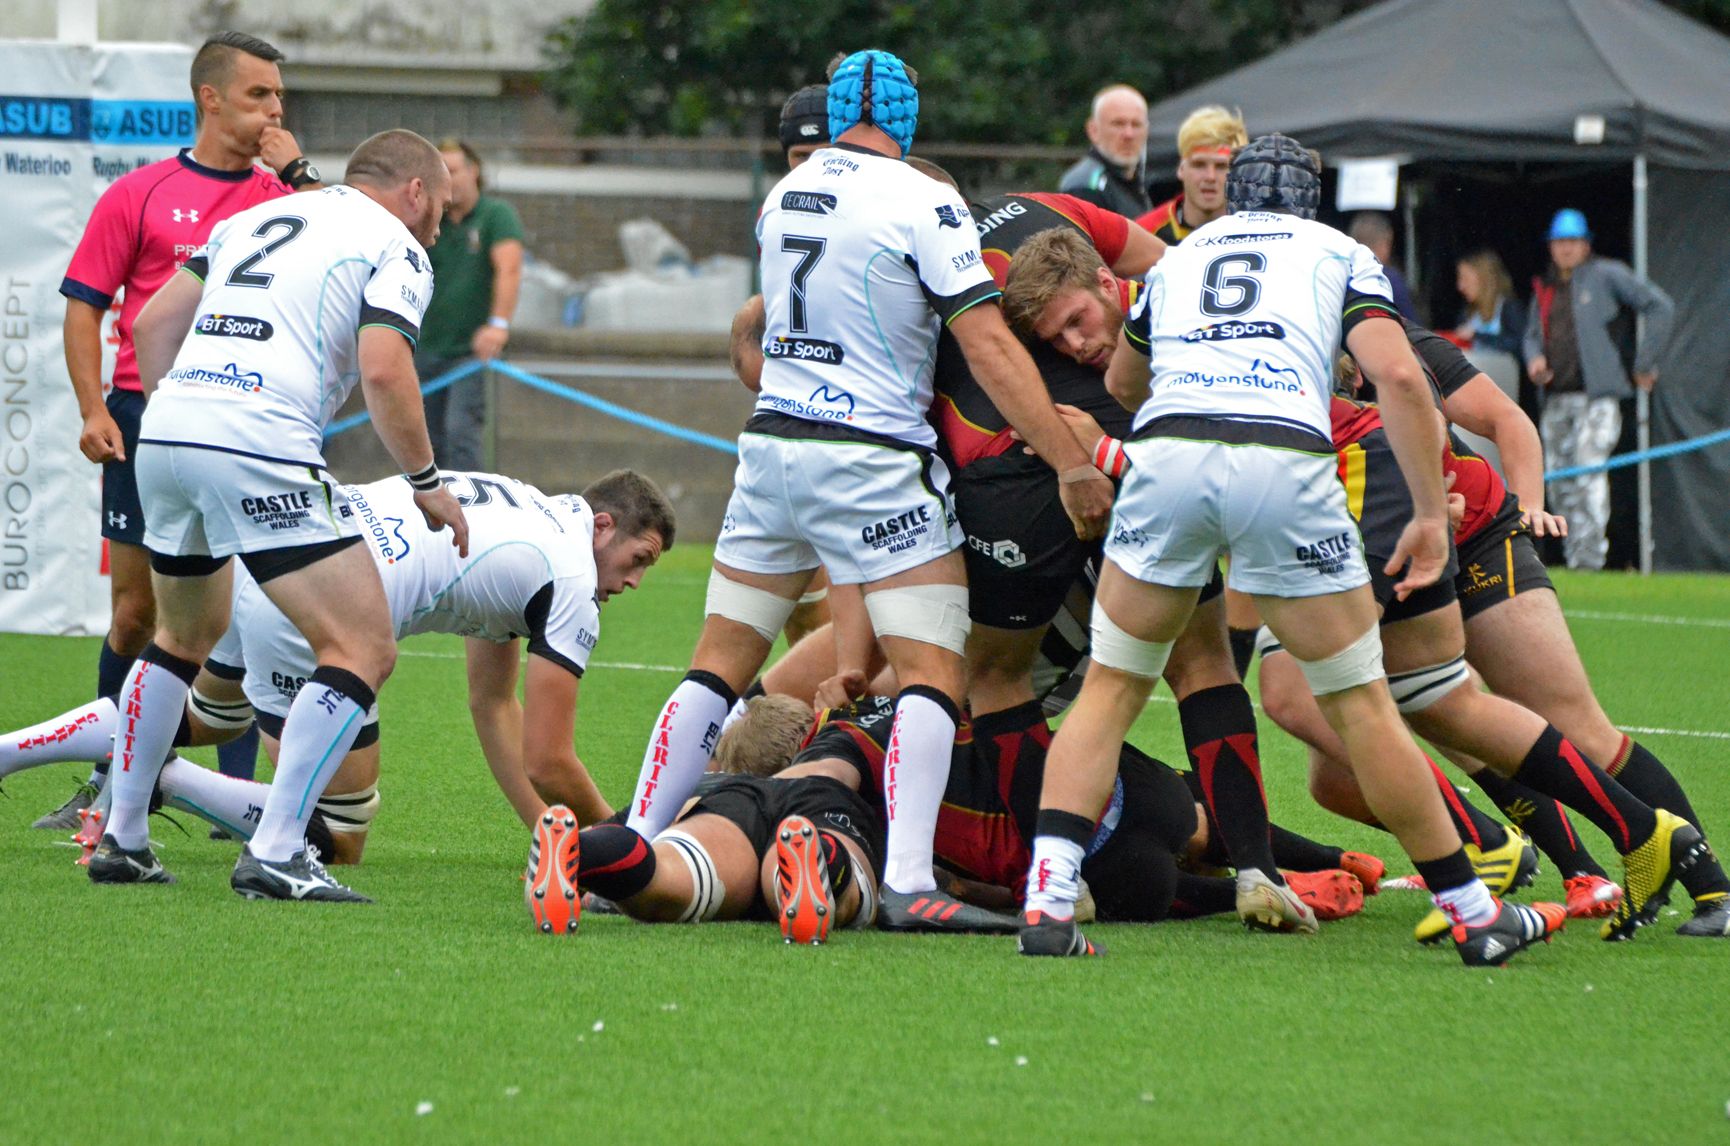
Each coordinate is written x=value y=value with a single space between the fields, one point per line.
x=1008 y=71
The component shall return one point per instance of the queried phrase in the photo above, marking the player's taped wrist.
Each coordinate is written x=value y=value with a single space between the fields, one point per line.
x=1108 y=457
x=427 y=480
x=1080 y=474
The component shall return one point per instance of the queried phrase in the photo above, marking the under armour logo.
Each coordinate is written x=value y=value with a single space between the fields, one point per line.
x=185 y=216
x=116 y=520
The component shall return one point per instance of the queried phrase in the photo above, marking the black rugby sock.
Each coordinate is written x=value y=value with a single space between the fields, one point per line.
x=1203 y=895
x=839 y=862
x=1544 y=820
x=1300 y=853
x=1556 y=768
x=1644 y=774
x=616 y=862
x=1220 y=735
x=1242 y=650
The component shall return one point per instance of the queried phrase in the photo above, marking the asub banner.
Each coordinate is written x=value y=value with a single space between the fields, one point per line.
x=73 y=119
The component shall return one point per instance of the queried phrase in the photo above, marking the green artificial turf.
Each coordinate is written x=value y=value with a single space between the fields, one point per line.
x=183 y=1014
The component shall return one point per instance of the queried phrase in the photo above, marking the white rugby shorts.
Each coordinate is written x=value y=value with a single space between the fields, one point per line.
x=264 y=642
x=863 y=511
x=1280 y=514
x=204 y=502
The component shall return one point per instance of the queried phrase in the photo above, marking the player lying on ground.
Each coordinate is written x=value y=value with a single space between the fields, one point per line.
x=539 y=568
x=1145 y=862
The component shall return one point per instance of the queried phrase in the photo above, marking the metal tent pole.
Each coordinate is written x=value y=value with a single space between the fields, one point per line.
x=1642 y=399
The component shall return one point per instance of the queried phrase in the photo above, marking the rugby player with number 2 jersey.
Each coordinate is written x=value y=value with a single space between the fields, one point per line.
x=250 y=353
x=863 y=261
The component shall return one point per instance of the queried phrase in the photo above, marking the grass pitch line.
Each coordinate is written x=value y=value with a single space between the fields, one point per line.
x=1648 y=618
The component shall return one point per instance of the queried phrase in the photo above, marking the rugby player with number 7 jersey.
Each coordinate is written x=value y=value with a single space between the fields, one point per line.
x=249 y=353
x=863 y=261
x=1232 y=454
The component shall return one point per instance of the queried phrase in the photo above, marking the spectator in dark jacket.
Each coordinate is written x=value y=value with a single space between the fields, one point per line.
x=1373 y=230
x=1571 y=353
x=1111 y=174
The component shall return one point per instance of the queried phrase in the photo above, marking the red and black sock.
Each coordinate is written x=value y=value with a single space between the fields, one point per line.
x=616 y=862
x=1544 y=820
x=1644 y=774
x=1300 y=853
x=1556 y=768
x=1474 y=825
x=839 y=862
x=1219 y=732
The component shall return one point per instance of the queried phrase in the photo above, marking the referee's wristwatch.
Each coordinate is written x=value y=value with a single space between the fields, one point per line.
x=299 y=172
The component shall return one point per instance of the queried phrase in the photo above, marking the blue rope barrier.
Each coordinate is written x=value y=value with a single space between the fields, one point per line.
x=536 y=382
x=1668 y=450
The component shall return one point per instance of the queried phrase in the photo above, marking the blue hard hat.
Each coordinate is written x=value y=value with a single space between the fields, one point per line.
x=874 y=87
x=1569 y=224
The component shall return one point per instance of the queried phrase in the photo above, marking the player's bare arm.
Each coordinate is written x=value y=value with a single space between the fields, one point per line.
x=392 y=390
x=498 y=719
x=162 y=327
x=1006 y=373
x=1414 y=429
x=549 y=723
x=745 y=344
x=1128 y=377
x=82 y=333
x=490 y=337
x=1480 y=407
x=1141 y=249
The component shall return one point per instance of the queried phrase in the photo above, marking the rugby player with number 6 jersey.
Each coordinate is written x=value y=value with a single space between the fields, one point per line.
x=1232 y=454
x=864 y=261
x=249 y=354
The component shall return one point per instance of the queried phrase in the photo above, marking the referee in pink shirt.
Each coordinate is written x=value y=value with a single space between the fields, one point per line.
x=144 y=226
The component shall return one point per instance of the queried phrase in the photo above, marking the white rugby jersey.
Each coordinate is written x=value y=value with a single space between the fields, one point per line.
x=530 y=571
x=273 y=352
x=862 y=258
x=1243 y=319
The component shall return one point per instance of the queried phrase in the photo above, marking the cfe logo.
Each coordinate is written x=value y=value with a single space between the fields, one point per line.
x=188 y=216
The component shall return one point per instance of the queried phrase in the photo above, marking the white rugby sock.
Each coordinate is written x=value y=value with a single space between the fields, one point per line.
x=152 y=705
x=915 y=772
x=85 y=733
x=1470 y=903
x=1054 y=878
x=321 y=726
x=232 y=805
x=679 y=750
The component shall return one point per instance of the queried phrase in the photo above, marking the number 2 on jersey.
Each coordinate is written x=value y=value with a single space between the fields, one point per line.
x=810 y=251
x=243 y=275
x=1227 y=296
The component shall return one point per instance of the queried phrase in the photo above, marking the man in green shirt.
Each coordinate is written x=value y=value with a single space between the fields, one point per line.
x=477 y=270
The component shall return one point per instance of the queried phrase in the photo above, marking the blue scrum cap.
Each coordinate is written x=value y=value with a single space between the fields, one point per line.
x=1569 y=224
x=874 y=88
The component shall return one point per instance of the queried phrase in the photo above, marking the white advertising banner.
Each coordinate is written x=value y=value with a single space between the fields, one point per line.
x=73 y=119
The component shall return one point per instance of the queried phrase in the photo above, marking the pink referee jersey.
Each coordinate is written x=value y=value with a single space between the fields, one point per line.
x=147 y=224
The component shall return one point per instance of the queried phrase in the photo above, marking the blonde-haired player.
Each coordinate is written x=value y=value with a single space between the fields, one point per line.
x=1205 y=143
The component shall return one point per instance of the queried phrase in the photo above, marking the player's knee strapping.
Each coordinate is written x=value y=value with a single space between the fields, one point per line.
x=1416 y=690
x=219 y=715
x=350 y=813
x=934 y=614
x=1358 y=663
x=707 y=890
x=1116 y=649
x=759 y=609
x=1266 y=644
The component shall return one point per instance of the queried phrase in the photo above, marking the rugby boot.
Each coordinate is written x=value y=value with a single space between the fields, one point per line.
x=1649 y=871
x=65 y=817
x=300 y=876
x=1366 y=867
x=1515 y=927
x=1043 y=935
x=1331 y=895
x=550 y=881
x=1711 y=920
x=937 y=911
x=89 y=834
x=1264 y=905
x=803 y=902
x=111 y=863
x=1591 y=896
x=1503 y=869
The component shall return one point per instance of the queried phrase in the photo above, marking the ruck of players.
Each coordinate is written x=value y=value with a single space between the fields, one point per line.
x=1012 y=462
